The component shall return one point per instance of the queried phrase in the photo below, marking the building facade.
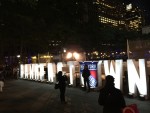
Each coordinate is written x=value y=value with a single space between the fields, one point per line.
x=146 y=30
x=116 y=13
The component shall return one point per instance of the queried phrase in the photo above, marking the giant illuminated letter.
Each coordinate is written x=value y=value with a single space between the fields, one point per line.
x=26 y=71
x=59 y=66
x=136 y=79
x=36 y=72
x=42 y=72
x=22 y=71
x=32 y=68
x=116 y=73
x=51 y=72
x=71 y=71
x=99 y=73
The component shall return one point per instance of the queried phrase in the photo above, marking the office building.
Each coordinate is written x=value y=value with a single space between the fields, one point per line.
x=116 y=13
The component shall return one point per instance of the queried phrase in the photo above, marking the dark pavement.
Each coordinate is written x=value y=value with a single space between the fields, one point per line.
x=23 y=96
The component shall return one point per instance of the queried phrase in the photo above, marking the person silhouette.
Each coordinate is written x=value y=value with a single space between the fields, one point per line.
x=110 y=97
x=85 y=75
x=62 y=79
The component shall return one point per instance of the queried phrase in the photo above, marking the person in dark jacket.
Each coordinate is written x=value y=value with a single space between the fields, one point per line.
x=110 y=97
x=85 y=75
x=62 y=79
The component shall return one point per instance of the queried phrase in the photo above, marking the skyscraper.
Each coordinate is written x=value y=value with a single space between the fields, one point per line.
x=117 y=13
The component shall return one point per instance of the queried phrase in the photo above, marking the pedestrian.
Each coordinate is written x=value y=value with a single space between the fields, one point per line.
x=85 y=75
x=62 y=79
x=2 y=78
x=110 y=97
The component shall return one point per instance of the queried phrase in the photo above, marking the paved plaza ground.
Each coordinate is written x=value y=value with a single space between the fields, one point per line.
x=23 y=96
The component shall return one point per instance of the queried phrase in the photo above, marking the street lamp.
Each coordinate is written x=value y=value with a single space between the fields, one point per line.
x=73 y=56
x=76 y=55
x=69 y=55
x=18 y=56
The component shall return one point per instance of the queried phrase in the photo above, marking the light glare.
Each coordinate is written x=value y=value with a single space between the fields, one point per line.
x=69 y=55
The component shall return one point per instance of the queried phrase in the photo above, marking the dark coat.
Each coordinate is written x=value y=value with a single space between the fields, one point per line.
x=62 y=86
x=62 y=80
x=85 y=73
x=111 y=99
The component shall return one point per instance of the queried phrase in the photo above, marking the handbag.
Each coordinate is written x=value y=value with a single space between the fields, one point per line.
x=57 y=85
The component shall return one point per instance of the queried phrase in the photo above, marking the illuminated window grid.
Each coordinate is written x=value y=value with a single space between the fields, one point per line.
x=108 y=20
x=134 y=24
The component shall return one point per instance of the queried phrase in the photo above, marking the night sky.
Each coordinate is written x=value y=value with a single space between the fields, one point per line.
x=144 y=5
